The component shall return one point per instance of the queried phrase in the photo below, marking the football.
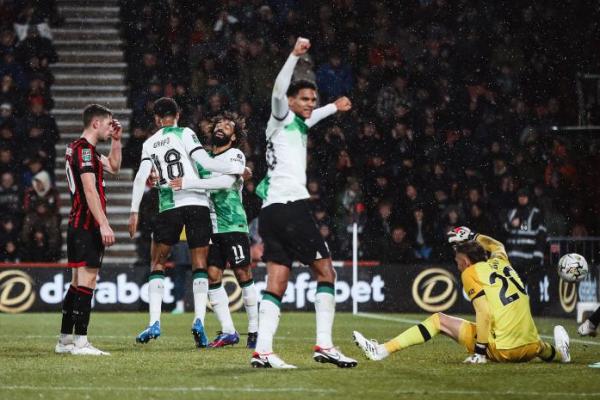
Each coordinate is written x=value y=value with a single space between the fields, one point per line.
x=572 y=267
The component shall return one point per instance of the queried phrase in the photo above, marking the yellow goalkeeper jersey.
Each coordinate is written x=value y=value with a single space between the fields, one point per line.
x=512 y=324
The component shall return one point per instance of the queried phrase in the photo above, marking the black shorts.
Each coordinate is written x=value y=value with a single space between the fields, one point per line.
x=84 y=247
x=289 y=232
x=170 y=223
x=231 y=248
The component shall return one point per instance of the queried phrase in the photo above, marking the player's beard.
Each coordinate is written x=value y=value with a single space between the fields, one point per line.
x=220 y=141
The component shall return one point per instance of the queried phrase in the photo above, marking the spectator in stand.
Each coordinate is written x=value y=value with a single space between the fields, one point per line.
x=9 y=239
x=422 y=234
x=334 y=79
x=315 y=192
x=8 y=138
x=7 y=116
x=10 y=66
x=225 y=25
x=398 y=249
x=503 y=198
x=35 y=46
x=378 y=229
x=42 y=191
x=36 y=15
x=394 y=100
x=330 y=239
x=525 y=244
x=39 y=89
x=8 y=39
x=265 y=25
x=11 y=196
x=410 y=200
x=41 y=233
x=7 y=161
x=480 y=221
x=10 y=95
x=33 y=166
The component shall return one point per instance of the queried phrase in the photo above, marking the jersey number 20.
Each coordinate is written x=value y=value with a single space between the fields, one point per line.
x=504 y=279
x=174 y=166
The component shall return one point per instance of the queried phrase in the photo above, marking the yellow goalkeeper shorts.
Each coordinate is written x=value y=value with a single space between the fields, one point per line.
x=518 y=354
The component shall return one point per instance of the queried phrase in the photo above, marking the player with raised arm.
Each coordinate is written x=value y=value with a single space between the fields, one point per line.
x=230 y=244
x=286 y=225
x=88 y=232
x=503 y=331
x=176 y=152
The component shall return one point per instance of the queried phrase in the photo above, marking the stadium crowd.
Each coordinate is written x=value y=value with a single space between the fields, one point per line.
x=452 y=110
x=29 y=202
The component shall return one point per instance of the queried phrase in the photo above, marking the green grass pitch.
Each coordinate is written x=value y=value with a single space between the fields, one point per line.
x=171 y=368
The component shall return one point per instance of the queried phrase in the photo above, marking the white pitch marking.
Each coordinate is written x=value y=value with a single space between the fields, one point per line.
x=168 y=389
x=284 y=390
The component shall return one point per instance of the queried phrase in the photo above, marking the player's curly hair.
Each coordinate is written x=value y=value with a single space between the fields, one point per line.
x=239 y=128
x=473 y=250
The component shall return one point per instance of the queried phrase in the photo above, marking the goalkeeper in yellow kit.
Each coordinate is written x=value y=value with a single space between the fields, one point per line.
x=503 y=331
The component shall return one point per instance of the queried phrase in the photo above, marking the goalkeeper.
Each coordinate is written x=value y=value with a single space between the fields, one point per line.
x=504 y=330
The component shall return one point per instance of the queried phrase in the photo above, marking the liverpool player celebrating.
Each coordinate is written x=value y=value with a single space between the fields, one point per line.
x=89 y=231
x=175 y=152
x=286 y=225
x=229 y=241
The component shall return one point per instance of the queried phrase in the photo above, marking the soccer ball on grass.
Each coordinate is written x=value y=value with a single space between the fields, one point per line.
x=572 y=267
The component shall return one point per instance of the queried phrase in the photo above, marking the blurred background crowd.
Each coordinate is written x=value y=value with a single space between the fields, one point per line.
x=29 y=202
x=454 y=106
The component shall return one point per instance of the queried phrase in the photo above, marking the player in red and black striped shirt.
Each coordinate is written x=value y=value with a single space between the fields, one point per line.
x=89 y=231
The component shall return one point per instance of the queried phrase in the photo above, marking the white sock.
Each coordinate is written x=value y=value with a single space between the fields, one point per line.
x=220 y=305
x=65 y=338
x=200 y=289
x=156 y=291
x=325 y=312
x=268 y=320
x=382 y=350
x=250 y=298
x=179 y=306
x=80 y=340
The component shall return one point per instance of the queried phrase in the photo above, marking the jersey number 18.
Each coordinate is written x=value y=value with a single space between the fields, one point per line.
x=174 y=166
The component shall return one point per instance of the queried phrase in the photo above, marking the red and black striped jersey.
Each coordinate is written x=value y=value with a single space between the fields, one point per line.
x=81 y=157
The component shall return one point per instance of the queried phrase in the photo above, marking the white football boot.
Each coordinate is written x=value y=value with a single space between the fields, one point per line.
x=64 y=345
x=587 y=328
x=84 y=348
x=373 y=350
x=334 y=356
x=561 y=343
x=269 y=360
